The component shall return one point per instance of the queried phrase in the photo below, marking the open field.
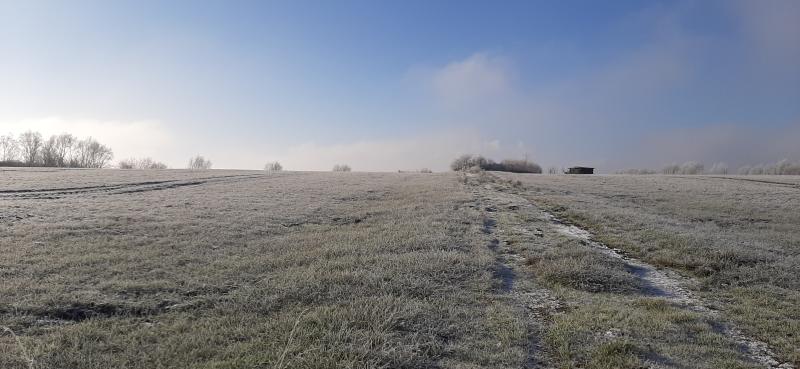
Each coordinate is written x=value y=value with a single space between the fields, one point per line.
x=244 y=269
x=219 y=269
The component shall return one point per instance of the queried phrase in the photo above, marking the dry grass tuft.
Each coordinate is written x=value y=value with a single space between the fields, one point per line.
x=23 y=352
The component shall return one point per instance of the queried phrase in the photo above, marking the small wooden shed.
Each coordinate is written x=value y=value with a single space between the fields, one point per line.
x=580 y=170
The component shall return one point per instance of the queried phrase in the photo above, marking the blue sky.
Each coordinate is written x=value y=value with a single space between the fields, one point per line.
x=386 y=85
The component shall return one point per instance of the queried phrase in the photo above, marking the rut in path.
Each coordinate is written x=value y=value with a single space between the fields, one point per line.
x=662 y=283
x=669 y=285
x=532 y=301
x=783 y=184
x=657 y=283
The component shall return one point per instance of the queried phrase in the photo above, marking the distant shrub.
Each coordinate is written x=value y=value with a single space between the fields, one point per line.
x=718 y=168
x=341 y=168
x=783 y=167
x=199 y=162
x=471 y=162
x=744 y=170
x=756 y=170
x=671 y=169
x=126 y=164
x=143 y=163
x=637 y=171
x=689 y=167
x=466 y=162
x=273 y=167
x=423 y=170
x=519 y=166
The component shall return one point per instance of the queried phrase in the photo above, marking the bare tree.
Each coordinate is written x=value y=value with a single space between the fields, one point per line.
x=671 y=169
x=719 y=168
x=58 y=149
x=467 y=162
x=48 y=152
x=144 y=163
x=692 y=167
x=65 y=148
x=461 y=163
x=199 y=162
x=341 y=168
x=127 y=164
x=30 y=144
x=784 y=167
x=8 y=148
x=519 y=166
x=273 y=167
x=635 y=171
x=744 y=170
x=91 y=154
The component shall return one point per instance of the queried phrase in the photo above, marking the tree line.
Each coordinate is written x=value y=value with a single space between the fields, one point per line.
x=31 y=149
x=63 y=150
x=783 y=167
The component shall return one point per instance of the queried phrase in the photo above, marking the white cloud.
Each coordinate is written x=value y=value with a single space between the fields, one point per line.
x=462 y=82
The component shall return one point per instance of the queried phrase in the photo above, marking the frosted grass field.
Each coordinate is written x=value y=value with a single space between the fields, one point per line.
x=243 y=269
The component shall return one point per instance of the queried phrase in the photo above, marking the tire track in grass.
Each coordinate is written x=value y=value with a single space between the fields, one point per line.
x=661 y=283
x=777 y=183
x=124 y=188
x=535 y=302
x=657 y=283
x=670 y=286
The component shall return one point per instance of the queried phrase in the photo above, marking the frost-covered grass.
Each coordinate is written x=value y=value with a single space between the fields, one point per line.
x=737 y=236
x=243 y=269
x=225 y=269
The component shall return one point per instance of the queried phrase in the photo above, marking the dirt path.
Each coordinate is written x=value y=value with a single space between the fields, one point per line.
x=670 y=286
x=661 y=283
x=537 y=304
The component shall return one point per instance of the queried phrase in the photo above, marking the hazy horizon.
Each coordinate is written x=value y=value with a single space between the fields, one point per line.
x=409 y=85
